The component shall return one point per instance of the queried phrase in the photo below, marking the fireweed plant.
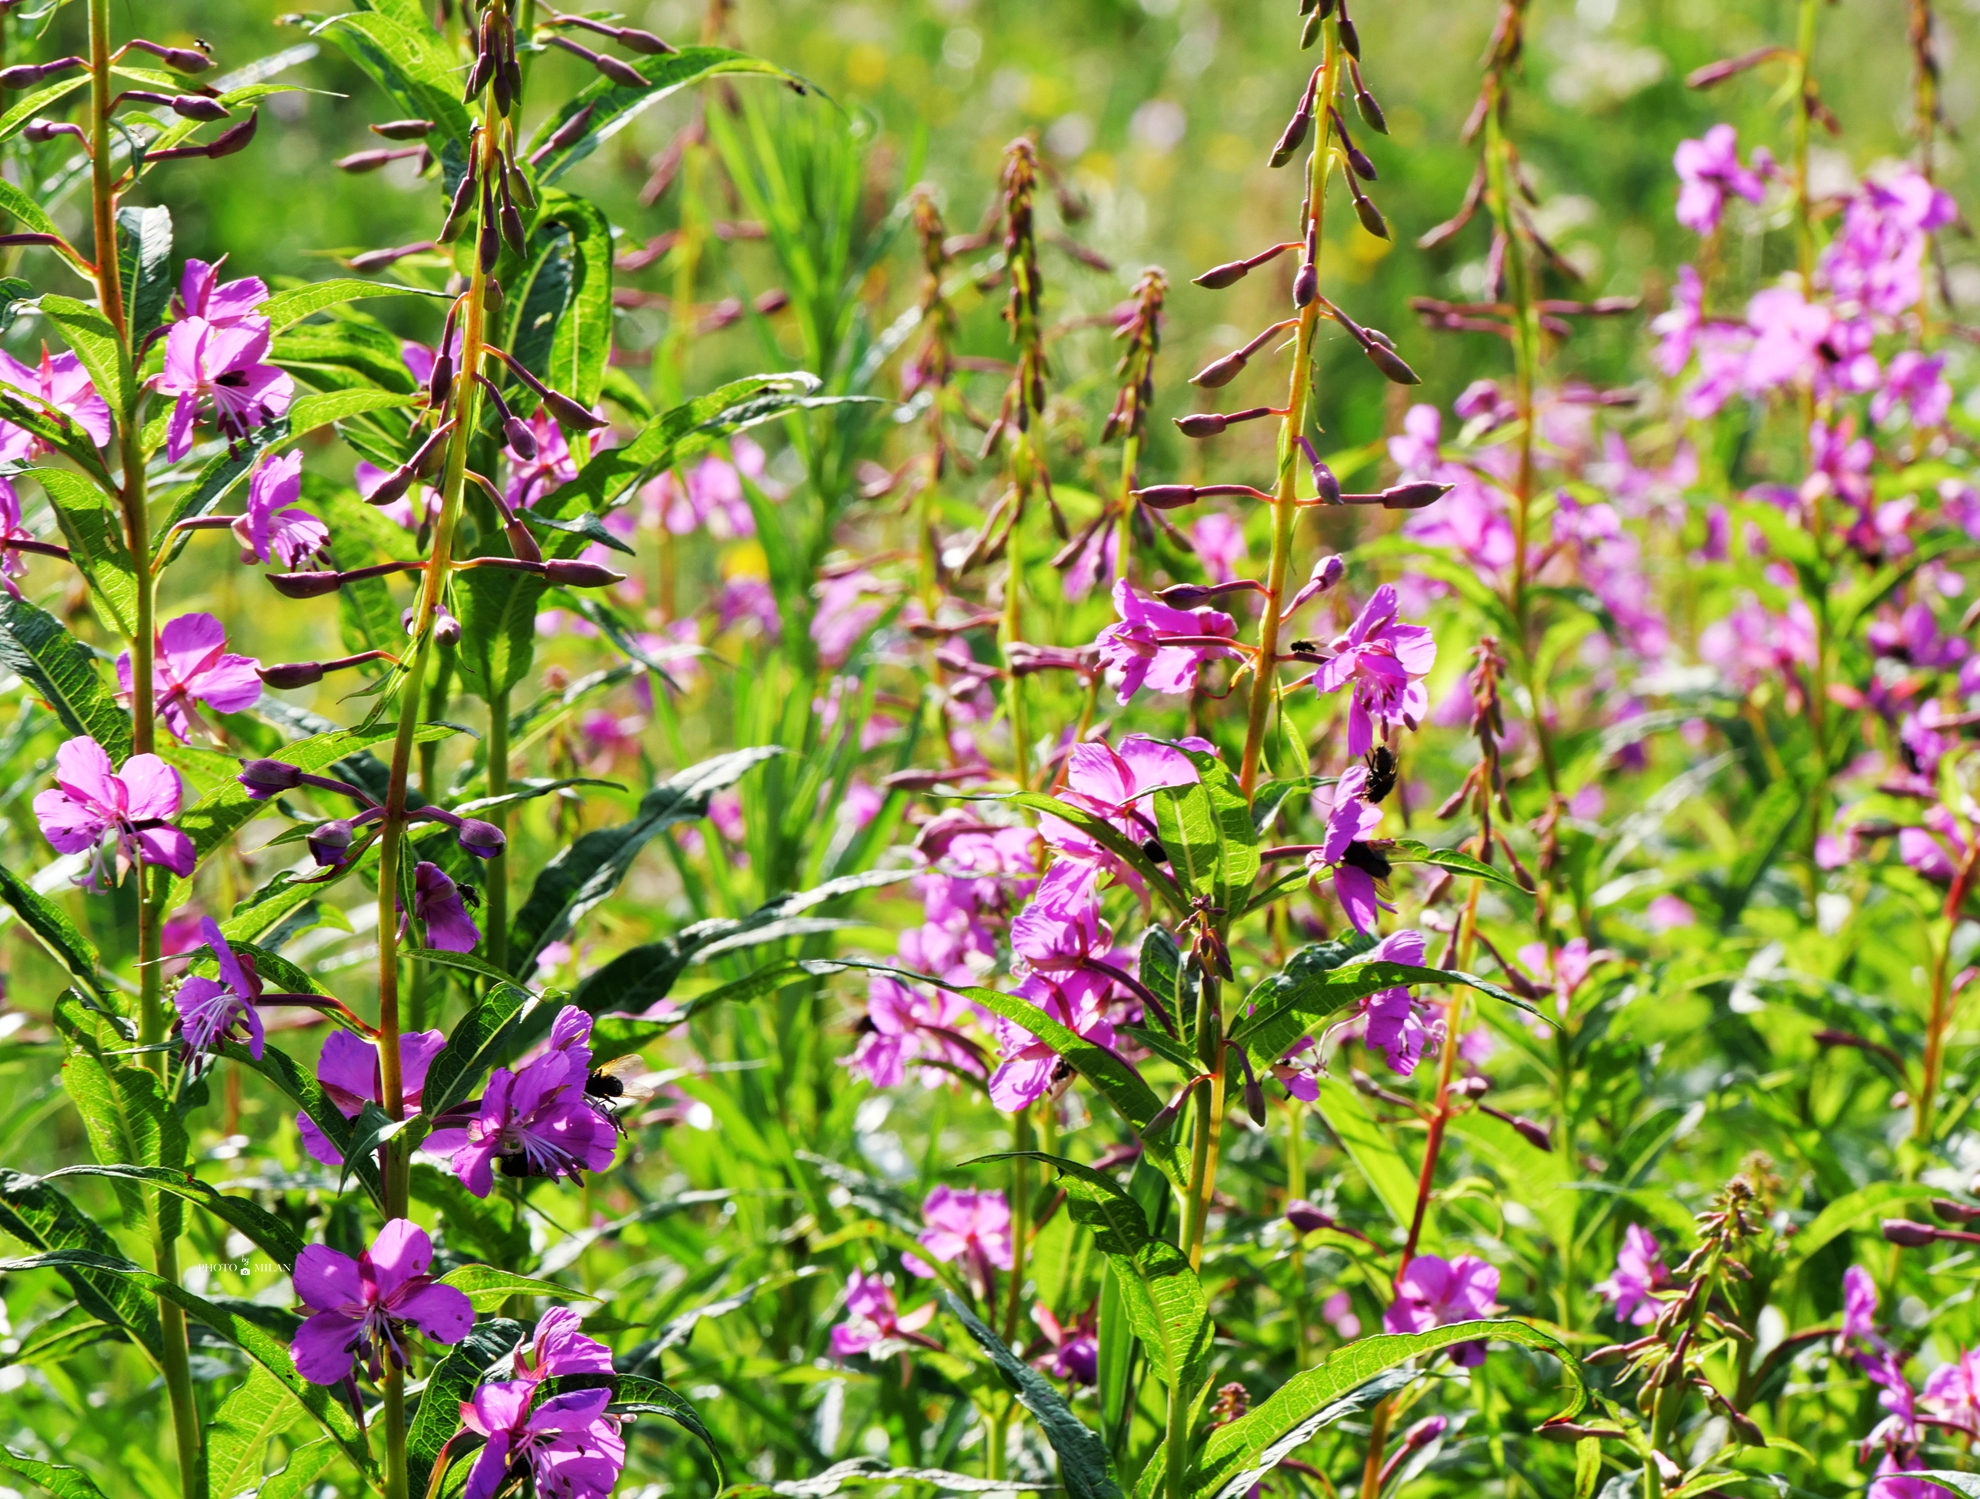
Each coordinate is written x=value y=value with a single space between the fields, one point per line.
x=1217 y=868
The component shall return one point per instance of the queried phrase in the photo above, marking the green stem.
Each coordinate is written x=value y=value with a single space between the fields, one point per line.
x=1021 y=1141
x=1013 y=631
x=1265 y=671
x=1804 y=56
x=497 y=892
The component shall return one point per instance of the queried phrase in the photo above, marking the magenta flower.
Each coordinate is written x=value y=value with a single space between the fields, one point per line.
x=1789 y=335
x=1708 y=170
x=192 y=665
x=973 y=1226
x=1859 y=1318
x=535 y=1122
x=1383 y=663
x=1638 y=1274
x=1115 y=784
x=746 y=600
x=1219 y=542
x=364 y=1307
x=220 y=367
x=559 y=1347
x=202 y=294
x=530 y=479
x=712 y=496
x=1954 y=1391
x=568 y=1444
x=60 y=381
x=847 y=609
x=349 y=1073
x=1875 y=262
x=1160 y=647
x=1075 y=1355
x=1029 y=1068
x=440 y=911
x=1934 y=851
x=1434 y=1292
x=1061 y=927
x=1751 y=645
x=1390 y=1021
x=212 y=1009
x=271 y=526
x=1355 y=866
x=902 y=1028
x=131 y=805
x=874 y=1325
x=1299 y=1071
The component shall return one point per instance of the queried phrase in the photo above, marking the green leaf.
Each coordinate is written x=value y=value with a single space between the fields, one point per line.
x=1409 y=851
x=1317 y=982
x=144 y=257
x=62 y=672
x=1085 y=1467
x=96 y=344
x=1362 y=1397
x=255 y=1341
x=1237 y=1449
x=41 y=100
x=287 y=308
x=305 y=1093
x=1372 y=1148
x=407 y=62
x=237 y=1437
x=685 y=432
x=43 y=1219
x=55 y=932
x=16 y=204
x=1110 y=838
x=63 y=1481
x=321 y=408
x=305 y=1467
x=1960 y=1483
x=95 y=535
x=1207 y=832
x=347 y=352
x=255 y=1223
x=582 y=341
x=635 y=1395
x=1849 y=1212
x=856 y=1472
x=52 y=425
x=587 y=872
x=453 y=1381
x=60 y=1337
x=614 y=106
x=126 y=1113
x=497 y=608
x=488 y=1288
x=475 y=1045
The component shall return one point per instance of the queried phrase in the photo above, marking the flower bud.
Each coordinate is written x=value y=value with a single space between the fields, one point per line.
x=567 y=134
x=40 y=131
x=1390 y=363
x=1911 y=1235
x=27 y=74
x=1202 y=423
x=1350 y=38
x=1370 y=112
x=1423 y=1433
x=1367 y=212
x=1306 y=285
x=1310 y=32
x=1293 y=138
x=1413 y=496
x=403 y=130
x=1254 y=1099
x=512 y=224
x=491 y=299
x=1167 y=496
x=1325 y=484
x=310 y=585
x=570 y=414
x=198 y=107
x=1357 y=161
x=1220 y=372
x=1220 y=276
x=183 y=59
x=1954 y=1212
x=572 y=573
x=482 y=839
x=378 y=260
x=266 y=778
x=522 y=543
x=457 y=209
x=643 y=41
x=291 y=674
x=1305 y=1217
x=446 y=629
x=1329 y=571
x=1537 y=1135
x=622 y=73
x=329 y=842
x=367 y=161
x=522 y=442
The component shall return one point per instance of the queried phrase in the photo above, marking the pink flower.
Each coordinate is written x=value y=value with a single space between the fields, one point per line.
x=1752 y=645
x=903 y=1028
x=1708 y=170
x=61 y=382
x=1384 y=663
x=973 y=1226
x=1639 y=1272
x=1338 y=1313
x=535 y=1122
x=132 y=805
x=1219 y=542
x=1075 y=1355
x=363 y=1307
x=439 y=909
x=349 y=1074
x=269 y=526
x=1935 y=850
x=1390 y=1021
x=192 y=665
x=1563 y=969
x=1789 y=333
x=568 y=1444
x=221 y=367
x=1029 y=1068
x=530 y=479
x=750 y=600
x=1860 y=1306
x=202 y=294
x=847 y=609
x=1299 y=1071
x=1115 y=785
x=712 y=496
x=558 y=1347
x=1918 y=383
x=873 y=1324
x=1668 y=912
x=1434 y=1292
x=211 y=1009
x=1159 y=647
x=1355 y=866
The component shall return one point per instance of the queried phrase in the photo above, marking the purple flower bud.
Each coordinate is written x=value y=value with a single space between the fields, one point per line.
x=330 y=841
x=266 y=778
x=482 y=839
x=292 y=674
x=1423 y=1433
x=1350 y=38
x=510 y=220
x=1539 y=1136
x=622 y=73
x=1911 y=1235
x=1310 y=32
x=1254 y=1099
x=567 y=134
x=307 y=585
x=1324 y=482
x=570 y=414
x=1220 y=276
x=227 y=142
x=1305 y=1217
x=1329 y=571
x=367 y=161
x=1413 y=496
x=1357 y=160
x=198 y=107
x=1167 y=496
x=1365 y=210
x=378 y=260
x=1365 y=106
x=27 y=74
x=643 y=41
x=1954 y=1212
x=183 y=59
x=403 y=130
x=1293 y=137
x=522 y=542
x=1220 y=372
x=457 y=209
x=522 y=442
x=1306 y=285
x=446 y=629
x=1202 y=423
x=1390 y=363
x=40 y=131
x=569 y=572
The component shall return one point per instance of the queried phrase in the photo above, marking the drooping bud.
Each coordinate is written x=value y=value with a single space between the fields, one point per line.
x=308 y=585
x=403 y=130
x=1954 y=1212
x=1390 y=363
x=1306 y=285
x=446 y=629
x=489 y=244
x=1910 y=1235
x=457 y=209
x=1220 y=372
x=1310 y=32
x=565 y=135
x=622 y=73
x=27 y=74
x=1365 y=105
x=329 y=842
x=1167 y=496
x=570 y=414
x=511 y=221
x=1366 y=211
x=40 y=131
x=180 y=59
x=521 y=441
x=291 y=674
x=227 y=142
x=1413 y=496
x=482 y=839
x=378 y=260
x=1325 y=484
x=1202 y=423
x=198 y=107
x=266 y=778
x=1292 y=138
x=371 y=161
x=1350 y=38
x=522 y=542
x=1537 y=1135
x=643 y=41
x=1220 y=276
x=569 y=572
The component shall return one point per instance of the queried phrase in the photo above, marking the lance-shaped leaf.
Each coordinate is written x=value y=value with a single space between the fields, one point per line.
x=52 y=928
x=1206 y=831
x=407 y=62
x=1409 y=851
x=287 y=308
x=43 y=1219
x=306 y=1094
x=305 y=1466
x=99 y=348
x=479 y=1040
x=1085 y=1466
x=124 y=1109
x=487 y=1288
x=1111 y=838
x=95 y=537
x=612 y=106
x=634 y=1395
x=497 y=609
x=589 y=870
x=52 y=425
x=254 y=1222
x=858 y=1472
x=144 y=254
x=253 y=1340
x=453 y=1381
x=1166 y=1304
x=237 y=1438
x=63 y=674
x=1316 y=983
x=59 y=1479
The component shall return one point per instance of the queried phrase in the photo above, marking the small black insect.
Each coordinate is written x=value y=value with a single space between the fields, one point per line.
x=1381 y=773
x=1306 y=647
x=1155 y=851
x=1364 y=858
x=470 y=896
x=515 y=1164
x=604 y=1085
